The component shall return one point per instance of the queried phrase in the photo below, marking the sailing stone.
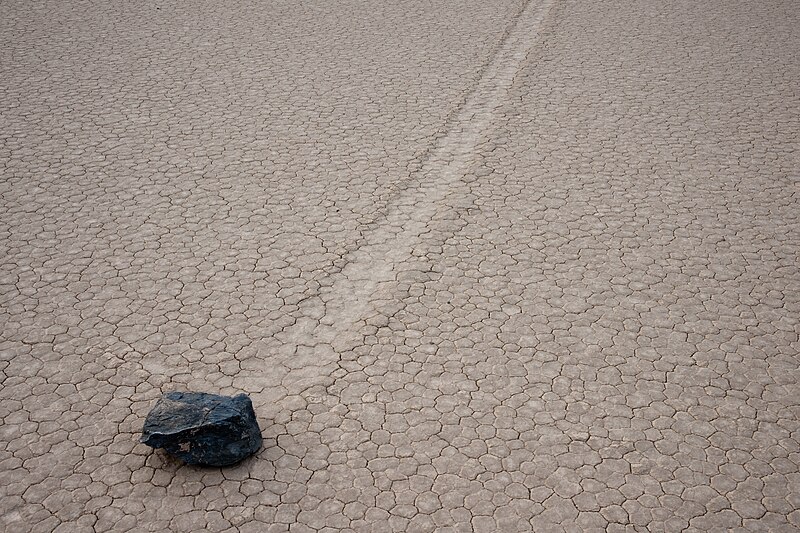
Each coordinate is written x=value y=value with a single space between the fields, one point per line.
x=203 y=429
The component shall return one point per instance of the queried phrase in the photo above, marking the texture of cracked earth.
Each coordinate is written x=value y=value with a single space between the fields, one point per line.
x=482 y=265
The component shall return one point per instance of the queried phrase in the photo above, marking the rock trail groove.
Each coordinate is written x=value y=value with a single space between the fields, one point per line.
x=347 y=299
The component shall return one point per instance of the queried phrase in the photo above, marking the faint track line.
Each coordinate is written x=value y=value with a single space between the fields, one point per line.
x=331 y=318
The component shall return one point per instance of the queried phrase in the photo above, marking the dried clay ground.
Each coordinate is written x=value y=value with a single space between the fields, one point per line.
x=482 y=266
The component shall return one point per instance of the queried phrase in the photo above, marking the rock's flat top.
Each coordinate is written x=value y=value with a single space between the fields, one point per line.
x=480 y=264
x=180 y=411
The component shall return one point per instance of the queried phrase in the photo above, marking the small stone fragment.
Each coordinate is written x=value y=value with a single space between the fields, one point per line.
x=203 y=429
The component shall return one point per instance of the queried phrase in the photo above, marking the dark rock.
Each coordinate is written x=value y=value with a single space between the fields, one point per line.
x=203 y=429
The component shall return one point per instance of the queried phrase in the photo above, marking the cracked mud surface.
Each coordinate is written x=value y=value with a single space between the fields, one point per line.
x=482 y=266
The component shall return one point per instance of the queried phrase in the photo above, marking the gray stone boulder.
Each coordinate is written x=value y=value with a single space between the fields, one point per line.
x=203 y=429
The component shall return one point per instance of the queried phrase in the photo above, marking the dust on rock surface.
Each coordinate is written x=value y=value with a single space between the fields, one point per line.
x=517 y=266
